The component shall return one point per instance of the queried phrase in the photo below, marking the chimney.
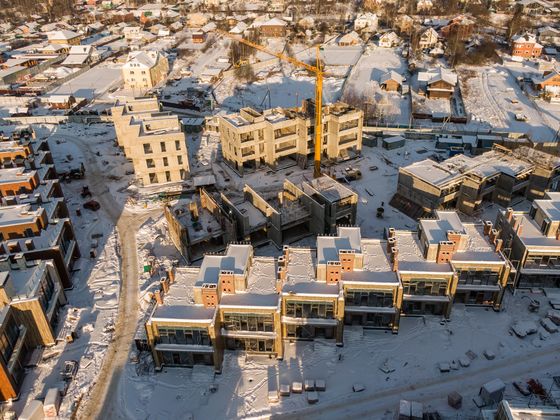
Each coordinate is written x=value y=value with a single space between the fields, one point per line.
x=487 y=227
x=171 y=276
x=391 y=243
x=391 y=233
x=509 y=214
x=164 y=282
x=493 y=235
x=347 y=258
x=395 y=258
x=454 y=237
x=19 y=260
x=226 y=281
x=209 y=295
x=445 y=251
x=158 y=296
x=286 y=252
x=281 y=274
x=499 y=244
x=519 y=229
x=334 y=272
x=281 y=261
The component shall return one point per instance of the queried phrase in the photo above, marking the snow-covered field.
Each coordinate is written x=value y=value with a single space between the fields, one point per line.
x=363 y=83
x=493 y=98
x=413 y=354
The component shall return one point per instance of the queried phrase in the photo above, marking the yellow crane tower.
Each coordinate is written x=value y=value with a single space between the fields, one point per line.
x=317 y=70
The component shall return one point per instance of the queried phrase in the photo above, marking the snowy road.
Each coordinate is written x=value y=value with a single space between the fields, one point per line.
x=373 y=405
x=127 y=223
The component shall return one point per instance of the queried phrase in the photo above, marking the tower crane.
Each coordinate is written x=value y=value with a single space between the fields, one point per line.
x=317 y=70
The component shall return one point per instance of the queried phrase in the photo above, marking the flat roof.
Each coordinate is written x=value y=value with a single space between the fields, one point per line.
x=311 y=288
x=235 y=259
x=330 y=189
x=411 y=257
x=436 y=229
x=301 y=265
x=241 y=299
x=262 y=275
x=328 y=247
x=18 y=214
x=9 y=175
x=185 y=313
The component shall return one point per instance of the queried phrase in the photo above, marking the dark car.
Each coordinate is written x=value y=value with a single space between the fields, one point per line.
x=92 y=205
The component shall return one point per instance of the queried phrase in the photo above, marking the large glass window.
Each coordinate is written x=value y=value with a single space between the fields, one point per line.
x=8 y=339
x=369 y=298
x=249 y=322
x=542 y=261
x=46 y=291
x=478 y=277
x=324 y=310
x=177 y=335
x=430 y=287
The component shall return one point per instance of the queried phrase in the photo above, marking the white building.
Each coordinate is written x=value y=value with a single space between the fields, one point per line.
x=366 y=20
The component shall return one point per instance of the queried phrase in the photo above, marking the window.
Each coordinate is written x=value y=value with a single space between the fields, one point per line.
x=162 y=146
x=9 y=339
x=429 y=287
x=180 y=160
x=168 y=176
x=150 y=163
x=46 y=291
x=153 y=178
x=370 y=298
x=179 y=335
x=177 y=145
x=323 y=310
x=148 y=148
x=165 y=162
x=248 y=322
x=183 y=174
x=478 y=277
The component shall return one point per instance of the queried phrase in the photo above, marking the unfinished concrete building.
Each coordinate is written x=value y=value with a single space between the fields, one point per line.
x=283 y=137
x=154 y=141
x=531 y=241
x=340 y=202
x=199 y=225
x=466 y=183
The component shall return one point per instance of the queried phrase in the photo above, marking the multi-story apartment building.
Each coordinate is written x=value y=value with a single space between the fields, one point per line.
x=465 y=183
x=143 y=70
x=236 y=301
x=531 y=242
x=278 y=136
x=31 y=294
x=153 y=140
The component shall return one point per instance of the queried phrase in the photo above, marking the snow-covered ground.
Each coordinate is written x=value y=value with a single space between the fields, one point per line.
x=363 y=83
x=493 y=97
x=413 y=354
x=95 y=296
x=92 y=83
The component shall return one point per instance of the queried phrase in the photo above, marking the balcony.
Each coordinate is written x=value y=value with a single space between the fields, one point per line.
x=326 y=322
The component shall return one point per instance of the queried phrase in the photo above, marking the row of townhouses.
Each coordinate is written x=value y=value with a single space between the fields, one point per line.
x=238 y=301
x=37 y=251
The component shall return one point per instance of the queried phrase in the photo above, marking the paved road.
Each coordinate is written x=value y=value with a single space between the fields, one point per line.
x=128 y=223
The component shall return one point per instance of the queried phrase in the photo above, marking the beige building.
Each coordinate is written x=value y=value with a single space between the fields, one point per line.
x=144 y=69
x=238 y=301
x=153 y=140
x=280 y=137
x=466 y=183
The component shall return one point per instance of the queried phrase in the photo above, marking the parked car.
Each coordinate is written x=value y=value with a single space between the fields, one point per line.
x=92 y=205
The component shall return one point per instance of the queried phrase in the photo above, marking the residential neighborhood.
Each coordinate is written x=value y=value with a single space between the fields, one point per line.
x=280 y=209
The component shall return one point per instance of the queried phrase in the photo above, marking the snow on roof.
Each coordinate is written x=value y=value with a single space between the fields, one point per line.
x=142 y=59
x=262 y=276
x=236 y=259
x=436 y=229
x=350 y=37
x=300 y=265
x=391 y=75
x=526 y=37
x=274 y=22
x=328 y=247
x=62 y=35
x=184 y=313
x=411 y=255
x=438 y=174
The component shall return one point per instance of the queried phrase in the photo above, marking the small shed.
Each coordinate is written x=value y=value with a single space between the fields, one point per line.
x=198 y=37
x=492 y=392
x=393 y=142
x=391 y=81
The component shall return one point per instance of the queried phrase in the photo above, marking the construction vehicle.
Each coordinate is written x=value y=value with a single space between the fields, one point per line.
x=317 y=70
